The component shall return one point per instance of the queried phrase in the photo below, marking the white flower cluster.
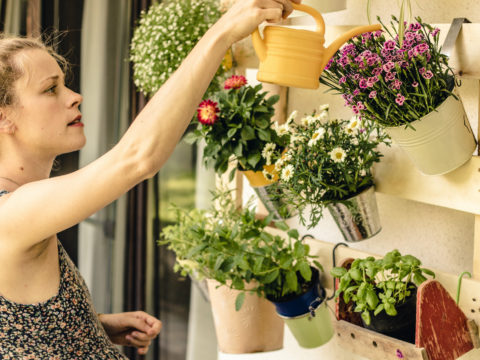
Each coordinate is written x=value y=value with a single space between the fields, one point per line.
x=165 y=35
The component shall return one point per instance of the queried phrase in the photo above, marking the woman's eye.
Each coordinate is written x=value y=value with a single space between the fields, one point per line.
x=51 y=89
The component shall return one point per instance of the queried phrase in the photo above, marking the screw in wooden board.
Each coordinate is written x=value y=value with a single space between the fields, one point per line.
x=399 y=354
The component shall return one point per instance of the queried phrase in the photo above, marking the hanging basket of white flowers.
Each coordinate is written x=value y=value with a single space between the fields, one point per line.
x=164 y=36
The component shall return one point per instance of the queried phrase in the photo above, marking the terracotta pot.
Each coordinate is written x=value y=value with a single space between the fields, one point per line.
x=254 y=328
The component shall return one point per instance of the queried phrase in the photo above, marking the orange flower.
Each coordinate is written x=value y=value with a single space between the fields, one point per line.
x=207 y=112
x=235 y=82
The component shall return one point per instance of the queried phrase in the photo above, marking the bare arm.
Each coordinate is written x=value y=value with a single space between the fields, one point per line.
x=40 y=209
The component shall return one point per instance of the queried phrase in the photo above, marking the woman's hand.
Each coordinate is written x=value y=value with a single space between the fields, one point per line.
x=245 y=16
x=136 y=329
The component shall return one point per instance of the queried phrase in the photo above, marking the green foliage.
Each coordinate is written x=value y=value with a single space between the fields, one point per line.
x=242 y=131
x=376 y=285
x=326 y=162
x=165 y=35
x=234 y=248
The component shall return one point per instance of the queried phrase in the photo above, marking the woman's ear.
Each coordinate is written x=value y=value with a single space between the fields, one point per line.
x=6 y=126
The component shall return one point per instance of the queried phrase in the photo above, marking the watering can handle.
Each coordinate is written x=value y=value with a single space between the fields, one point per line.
x=314 y=13
x=258 y=42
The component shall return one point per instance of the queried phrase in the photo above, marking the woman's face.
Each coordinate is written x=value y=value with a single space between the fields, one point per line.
x=45 y=113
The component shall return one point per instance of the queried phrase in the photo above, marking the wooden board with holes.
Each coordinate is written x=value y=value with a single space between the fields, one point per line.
x=375 y=346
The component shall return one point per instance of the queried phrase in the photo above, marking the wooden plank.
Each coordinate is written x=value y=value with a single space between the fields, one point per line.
x=441 y=326
x=373 y=345
x=460 y=189
x=476 y=248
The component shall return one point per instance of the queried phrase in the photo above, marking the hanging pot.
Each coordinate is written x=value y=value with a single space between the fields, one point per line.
x=307 y=315
x=357 y=217
x=442 y=140
x=268 y=193
x=254 y=328
x=402 y=326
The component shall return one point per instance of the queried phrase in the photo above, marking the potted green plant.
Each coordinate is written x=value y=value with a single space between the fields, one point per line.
x=207 y=245
x=238 y=126
x=404 y=83
x=328 y=164
x=384 y=292
x=164 y=36
x=235 y=249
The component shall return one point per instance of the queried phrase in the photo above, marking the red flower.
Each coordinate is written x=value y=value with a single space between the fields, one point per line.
x=235 y=82
x=207 y=112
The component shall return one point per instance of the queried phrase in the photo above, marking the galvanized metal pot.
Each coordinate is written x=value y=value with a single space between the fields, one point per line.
x=357 y=217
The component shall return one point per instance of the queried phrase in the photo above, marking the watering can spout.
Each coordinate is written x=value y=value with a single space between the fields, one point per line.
x=337 y=43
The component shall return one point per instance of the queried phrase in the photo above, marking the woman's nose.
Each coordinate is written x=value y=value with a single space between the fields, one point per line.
x=76 y=99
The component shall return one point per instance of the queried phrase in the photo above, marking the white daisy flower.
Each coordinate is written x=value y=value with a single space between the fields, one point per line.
x=287 y=173
x=338 y=154
x=268 y=175
x=354 y=123
x=354 y=141
x=316 y=136
x=304 y=121
x=292 y=117
x=279 y=164
x=363 y=172
x=287 y=156
x=282 y=129
x=268 y=150
x=324 y=107
x=322 y=116
x=311 y=120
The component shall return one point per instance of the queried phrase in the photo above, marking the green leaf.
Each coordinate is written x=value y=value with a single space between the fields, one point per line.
x=238 y=150
x=231 y=132
x=338 y=272
x=305 y=270
x=239 y=301
x=264 y=135
x=418 y=278
x=366 y=317
x=218 y=262
x=293 y=233
x=372 y=299
x=191 y=137
x=271 y=276
x=428 y=272
x=282 y=225
x=253 y=159
x=257 y=266
x=378 y=310
x=356 y=274
x=291 y=280
x=248 y=133
x=195 y=250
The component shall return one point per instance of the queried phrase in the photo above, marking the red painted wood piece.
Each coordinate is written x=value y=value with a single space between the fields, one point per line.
x=441 y=325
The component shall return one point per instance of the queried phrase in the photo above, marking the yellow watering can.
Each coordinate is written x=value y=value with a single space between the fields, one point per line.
x=292 y=57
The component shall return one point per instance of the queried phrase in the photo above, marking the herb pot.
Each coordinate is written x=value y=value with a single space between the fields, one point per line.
x=357 y=217
x=307 y=315
x=254 y=328
x=439 y=142
x=402 y=326
x=267 y=192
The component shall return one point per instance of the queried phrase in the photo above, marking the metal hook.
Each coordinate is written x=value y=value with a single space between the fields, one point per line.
x=309 y=236
x=459 y=286
x=452 y=35
x=334 y=262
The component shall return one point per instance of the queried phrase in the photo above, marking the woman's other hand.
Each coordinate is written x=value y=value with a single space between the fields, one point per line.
x=135 y=329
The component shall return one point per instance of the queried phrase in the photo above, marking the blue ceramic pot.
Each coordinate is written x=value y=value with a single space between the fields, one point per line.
x=302 y=304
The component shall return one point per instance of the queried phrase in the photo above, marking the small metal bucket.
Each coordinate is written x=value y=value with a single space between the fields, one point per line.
x=357 y=217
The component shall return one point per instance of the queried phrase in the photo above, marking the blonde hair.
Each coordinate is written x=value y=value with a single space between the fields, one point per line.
x=11 y=69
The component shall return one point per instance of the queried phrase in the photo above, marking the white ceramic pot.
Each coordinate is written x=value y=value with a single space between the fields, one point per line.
x=442 y=140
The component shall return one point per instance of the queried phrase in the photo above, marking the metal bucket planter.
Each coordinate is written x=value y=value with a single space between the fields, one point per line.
x=442 y=140
x=268 y=193
x=307 y=315
x=254 y=328
x=357 y=217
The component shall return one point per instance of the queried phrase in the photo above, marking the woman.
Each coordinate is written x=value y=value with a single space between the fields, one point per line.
x=45 y=309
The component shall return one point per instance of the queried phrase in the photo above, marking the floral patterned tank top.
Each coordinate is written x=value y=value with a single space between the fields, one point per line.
x=65 y=326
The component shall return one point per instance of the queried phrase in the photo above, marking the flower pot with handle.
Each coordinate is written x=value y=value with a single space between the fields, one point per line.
x=293 y=57
x=307 y=315
x=439 y=142
x=357 y=217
